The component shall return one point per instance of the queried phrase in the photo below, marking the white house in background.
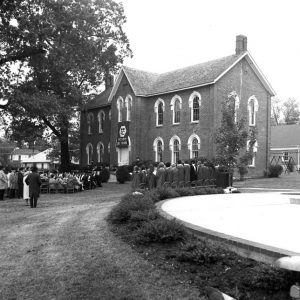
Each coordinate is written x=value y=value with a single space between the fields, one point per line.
x=18 y=155
x=39 y=160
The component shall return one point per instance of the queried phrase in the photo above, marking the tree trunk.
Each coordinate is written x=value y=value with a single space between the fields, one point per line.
x=64 y=150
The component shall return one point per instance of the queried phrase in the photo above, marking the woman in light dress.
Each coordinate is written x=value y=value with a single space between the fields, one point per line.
x=25 y=188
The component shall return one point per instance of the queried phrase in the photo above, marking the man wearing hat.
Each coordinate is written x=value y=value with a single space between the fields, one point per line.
x=34 y=182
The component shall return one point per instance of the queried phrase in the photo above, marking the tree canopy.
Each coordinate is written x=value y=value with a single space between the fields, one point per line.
x=82 y=43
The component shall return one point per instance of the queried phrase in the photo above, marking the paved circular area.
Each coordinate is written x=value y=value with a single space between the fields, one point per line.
x=265 y=218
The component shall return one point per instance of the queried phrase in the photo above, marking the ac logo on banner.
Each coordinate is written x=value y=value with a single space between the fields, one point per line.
x=123 y=133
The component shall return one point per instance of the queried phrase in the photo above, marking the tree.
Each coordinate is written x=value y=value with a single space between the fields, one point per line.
x=17 y=40
x=285 y=112
x=276 y=111
x=231 y=136
x=85 y=43
x=291 y=112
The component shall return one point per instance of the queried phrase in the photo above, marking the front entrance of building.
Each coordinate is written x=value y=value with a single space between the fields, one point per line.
x=123 y=156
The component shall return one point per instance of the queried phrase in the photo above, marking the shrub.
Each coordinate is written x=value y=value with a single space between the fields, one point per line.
x=122 y=174
x=143 y=216
x=122 y=212
x=166 y=193
x=275 y=170
x=160 y=231
x=200 y=253
x=183 y=192
x=105 y=174
x=268 y=278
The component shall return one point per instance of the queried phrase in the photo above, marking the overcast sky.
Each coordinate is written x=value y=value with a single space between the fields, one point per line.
x=169 y=34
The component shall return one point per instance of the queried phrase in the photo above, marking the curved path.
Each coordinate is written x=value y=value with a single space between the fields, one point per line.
x=63 y=249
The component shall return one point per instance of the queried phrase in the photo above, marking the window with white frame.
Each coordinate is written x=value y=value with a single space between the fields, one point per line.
x=194 y=104
x=128 y=105
x=158 y=148
x=285 y=156
x=194 y=145
x=176 y=104
x=175 y=147
x=89 y=153
x=252 y=110
x=90 y=121
x=251 y=163
x=120 y=104
x=101 y=119
x=159 y=108
x=100 y=152
x=233 y=103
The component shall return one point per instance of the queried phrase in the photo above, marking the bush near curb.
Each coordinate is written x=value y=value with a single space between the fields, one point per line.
x=275 y=170
x=105 y=175
x=122 y=174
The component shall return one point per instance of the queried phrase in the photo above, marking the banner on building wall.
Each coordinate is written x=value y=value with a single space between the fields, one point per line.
x=122 y=136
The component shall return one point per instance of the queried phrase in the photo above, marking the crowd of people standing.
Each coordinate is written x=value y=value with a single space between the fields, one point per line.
x=175 y=175
x=16 y=183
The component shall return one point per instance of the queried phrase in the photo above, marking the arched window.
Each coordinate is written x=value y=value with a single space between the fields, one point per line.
x=194 y=104
x=251 y=162
x=233 y=103
x=159 y=108
x=120 y=104
x=128 y=104
x=158 y=148
x=194 y=145
x=89 y=153
x=252 y=109
x=100 y=152
x=175 y=147
x=101 y=119
x=90 y=121
x=176 y=104
x=175 y=150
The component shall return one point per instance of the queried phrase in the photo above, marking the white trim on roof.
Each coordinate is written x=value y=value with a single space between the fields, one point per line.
x=116 y=85
x=254 y=67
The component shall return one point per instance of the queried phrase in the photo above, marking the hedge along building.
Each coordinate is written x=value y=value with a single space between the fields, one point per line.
x=175 y=115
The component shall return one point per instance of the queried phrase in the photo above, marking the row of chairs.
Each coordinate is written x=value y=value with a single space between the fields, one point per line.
x=50 y=188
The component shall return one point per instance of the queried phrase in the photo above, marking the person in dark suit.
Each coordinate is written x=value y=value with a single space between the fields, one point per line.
x=34 y=181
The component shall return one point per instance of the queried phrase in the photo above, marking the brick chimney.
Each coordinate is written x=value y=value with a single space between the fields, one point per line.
x=240 y=44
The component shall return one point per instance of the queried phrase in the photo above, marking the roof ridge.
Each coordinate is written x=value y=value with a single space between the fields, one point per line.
x=183 y=68
x=135 y=69
x=199 y=64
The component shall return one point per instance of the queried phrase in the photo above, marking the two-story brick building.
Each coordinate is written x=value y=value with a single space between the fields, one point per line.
x=175 y=115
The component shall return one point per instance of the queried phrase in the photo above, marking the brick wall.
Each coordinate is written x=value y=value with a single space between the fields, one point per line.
x=95 y=137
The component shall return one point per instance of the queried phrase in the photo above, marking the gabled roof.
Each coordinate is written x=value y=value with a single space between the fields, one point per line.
x=25 y=151
x=99 y=100
x=38 y=158
x=148 y=84
x=285 y=136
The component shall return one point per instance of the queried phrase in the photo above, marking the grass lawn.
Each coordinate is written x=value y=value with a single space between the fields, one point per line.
x=64 y=249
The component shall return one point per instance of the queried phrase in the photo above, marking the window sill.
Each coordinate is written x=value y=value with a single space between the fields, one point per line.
x=159 y=125
x=175 y=124
x=194 y=122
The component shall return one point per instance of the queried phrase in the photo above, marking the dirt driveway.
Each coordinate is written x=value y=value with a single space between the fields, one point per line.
x=64 y=250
